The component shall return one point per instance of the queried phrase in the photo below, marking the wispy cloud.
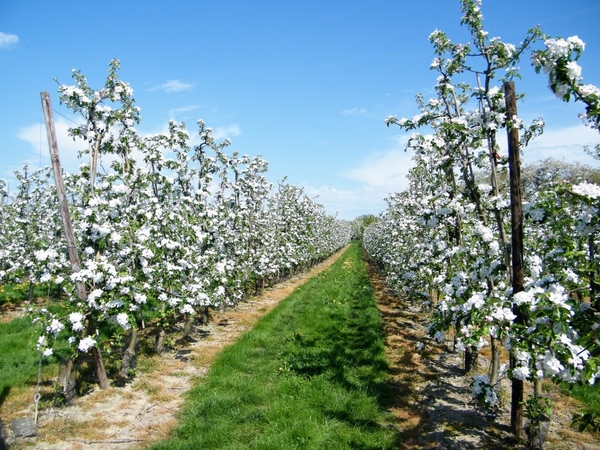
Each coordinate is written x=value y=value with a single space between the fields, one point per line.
x=373 y=179
x=35 y=134
x=219 y=133
x=68 y=149
x=347 y=203
x=381 y=174
x=226 y=132
x=8 y=41
x=184 y=109
x=173 y=86
x=385 y=171
x=563 y=144
x=174 y=112
x=354 y=112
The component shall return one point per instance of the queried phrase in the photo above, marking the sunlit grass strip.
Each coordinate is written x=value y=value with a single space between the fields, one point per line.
x=311 y=374
x=18 y=357
x=17 y=293
x=589 y=395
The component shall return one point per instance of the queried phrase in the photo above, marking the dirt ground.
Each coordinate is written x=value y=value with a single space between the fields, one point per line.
x=431 y=401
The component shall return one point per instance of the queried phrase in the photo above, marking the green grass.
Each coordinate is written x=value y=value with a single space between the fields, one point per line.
x=18 y=356
x=589 y=395
x=17 y=293
x=311 y=375
x=589 y=417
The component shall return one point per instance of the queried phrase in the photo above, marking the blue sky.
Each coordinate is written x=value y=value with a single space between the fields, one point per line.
x=306 y=84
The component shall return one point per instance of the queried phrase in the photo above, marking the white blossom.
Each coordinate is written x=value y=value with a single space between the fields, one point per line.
x=521 y=373
x=86 y=344
x=587 y=189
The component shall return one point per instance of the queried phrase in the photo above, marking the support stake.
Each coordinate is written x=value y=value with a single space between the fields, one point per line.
x=516 y=210
x=67 y=225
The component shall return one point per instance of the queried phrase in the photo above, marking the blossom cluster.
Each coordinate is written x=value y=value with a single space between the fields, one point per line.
x=559 y=62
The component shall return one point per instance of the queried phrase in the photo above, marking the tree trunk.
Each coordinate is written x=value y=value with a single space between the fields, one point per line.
x=97 y=356
x=187 y=326
x=471 y=355
x=204 y=315
x=495 y=363
x=159 y=343
x=537 y=388
x=594 y=287
x=130 y=356
x=99 y=366
x=66 y=383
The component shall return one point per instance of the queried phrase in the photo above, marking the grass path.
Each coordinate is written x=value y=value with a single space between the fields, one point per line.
x=312 y=374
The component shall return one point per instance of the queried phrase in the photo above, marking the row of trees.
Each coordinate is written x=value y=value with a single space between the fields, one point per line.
x=447 y=238
x=164 y=230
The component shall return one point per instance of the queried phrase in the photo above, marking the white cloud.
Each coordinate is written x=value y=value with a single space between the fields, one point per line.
x=183 y=109
x=221 y=133
x=564 y=144
x=374 y=178
x=173 y=86
x=347 y=203
x=385 y=171
x=381 y=174
x=354 y=112
x=67 y=148
x=8 y=41
x=177 y=112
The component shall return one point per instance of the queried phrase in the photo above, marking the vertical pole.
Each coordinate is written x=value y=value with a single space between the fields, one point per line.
x=67 y=225
x=514 y=163
x=61 y=193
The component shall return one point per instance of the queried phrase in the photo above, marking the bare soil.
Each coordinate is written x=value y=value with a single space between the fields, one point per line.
x=431 y=402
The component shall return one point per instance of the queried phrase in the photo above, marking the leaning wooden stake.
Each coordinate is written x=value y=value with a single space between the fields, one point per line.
x=516 y=210
x=67 y=226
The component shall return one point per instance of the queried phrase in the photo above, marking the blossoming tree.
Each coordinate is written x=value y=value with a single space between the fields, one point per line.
x=164 y=230
x=464 y=265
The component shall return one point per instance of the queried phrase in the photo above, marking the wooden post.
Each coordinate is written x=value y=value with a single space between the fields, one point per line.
x=67 y=225
x=516 y=210
x=61 y=193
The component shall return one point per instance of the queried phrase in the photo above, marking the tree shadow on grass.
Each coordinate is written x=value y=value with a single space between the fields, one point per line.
x=350 y=355
x=4 y=394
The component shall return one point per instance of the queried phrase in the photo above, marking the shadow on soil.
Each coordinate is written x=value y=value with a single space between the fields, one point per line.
x=414 y=385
